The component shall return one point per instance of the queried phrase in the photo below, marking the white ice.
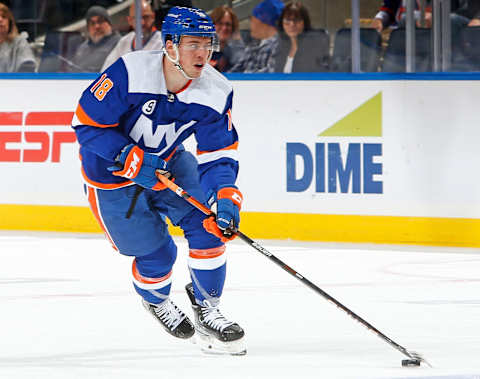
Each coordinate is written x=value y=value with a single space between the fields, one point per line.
x=68 y=310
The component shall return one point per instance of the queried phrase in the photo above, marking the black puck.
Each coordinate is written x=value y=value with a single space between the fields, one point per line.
x=410 y=362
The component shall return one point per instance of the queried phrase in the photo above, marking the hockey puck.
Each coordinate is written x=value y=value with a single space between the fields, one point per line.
x=410 y=362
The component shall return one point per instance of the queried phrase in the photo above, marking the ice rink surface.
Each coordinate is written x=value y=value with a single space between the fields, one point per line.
x=68 y=310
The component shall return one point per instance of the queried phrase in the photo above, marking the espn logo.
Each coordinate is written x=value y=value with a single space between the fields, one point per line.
x=30 y=136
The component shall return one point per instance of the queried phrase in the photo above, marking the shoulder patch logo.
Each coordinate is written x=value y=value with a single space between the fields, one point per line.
x=149 y=107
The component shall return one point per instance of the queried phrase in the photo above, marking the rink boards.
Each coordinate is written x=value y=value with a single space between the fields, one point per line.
x=386 y=161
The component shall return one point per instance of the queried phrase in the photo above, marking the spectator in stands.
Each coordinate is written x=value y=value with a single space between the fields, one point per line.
x=15 y=52
x=298 y=48
x=91 y=54
x=466 y=13
x=231 y=44
x=392 y=13
x=151 y=37
x=259 y=56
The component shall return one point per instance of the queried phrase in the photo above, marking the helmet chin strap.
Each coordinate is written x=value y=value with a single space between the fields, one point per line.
x=176 y=61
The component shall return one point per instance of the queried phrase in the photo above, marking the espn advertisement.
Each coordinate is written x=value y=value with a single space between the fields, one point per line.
x=405 y=148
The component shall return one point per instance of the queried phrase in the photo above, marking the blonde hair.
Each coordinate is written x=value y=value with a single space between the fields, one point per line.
x=12 y=26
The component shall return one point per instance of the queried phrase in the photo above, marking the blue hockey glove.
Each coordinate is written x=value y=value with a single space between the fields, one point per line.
x=142 y=168
x=229 y=202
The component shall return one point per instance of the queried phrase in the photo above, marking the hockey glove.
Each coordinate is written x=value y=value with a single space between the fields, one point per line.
x=229 y=202
x=139 y=166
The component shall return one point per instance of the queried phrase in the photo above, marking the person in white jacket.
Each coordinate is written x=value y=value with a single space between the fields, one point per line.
x=151 y=37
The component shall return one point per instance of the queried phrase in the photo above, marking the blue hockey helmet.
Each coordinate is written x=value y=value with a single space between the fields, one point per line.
x=183 y=21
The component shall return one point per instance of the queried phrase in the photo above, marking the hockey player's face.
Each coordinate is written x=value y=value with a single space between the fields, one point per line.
x=194 y=53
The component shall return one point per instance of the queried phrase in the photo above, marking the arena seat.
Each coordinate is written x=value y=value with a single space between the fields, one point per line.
x=370 y=48
x=466 y=56
x=394 y=59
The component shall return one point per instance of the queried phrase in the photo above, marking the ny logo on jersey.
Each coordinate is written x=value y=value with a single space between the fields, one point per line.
x=165 y=134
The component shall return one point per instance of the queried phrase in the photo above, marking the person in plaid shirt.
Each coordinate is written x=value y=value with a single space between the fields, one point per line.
x=259 y=57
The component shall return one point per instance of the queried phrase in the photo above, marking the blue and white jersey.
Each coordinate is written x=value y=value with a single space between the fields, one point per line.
x=129 y=103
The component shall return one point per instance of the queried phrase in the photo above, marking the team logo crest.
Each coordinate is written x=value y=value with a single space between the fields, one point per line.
x=149 y=107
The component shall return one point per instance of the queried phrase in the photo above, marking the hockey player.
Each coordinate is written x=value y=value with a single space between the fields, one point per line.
x=130 y=123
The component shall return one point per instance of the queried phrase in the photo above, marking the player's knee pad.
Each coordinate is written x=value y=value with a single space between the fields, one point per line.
x=159 y=261
x=195 y=233
x=152 y=272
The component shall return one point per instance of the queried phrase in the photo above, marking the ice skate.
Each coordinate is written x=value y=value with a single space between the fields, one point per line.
x=173 y=320
x=214 y=333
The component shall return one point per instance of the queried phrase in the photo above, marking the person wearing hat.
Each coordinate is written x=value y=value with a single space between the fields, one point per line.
x=259 y=57
x=151 y=37
x=91 y=53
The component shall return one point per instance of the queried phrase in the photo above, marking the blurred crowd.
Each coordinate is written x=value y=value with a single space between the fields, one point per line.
x=280 y=37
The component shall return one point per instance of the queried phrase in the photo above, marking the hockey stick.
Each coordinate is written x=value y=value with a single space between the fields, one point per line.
x=415 y=358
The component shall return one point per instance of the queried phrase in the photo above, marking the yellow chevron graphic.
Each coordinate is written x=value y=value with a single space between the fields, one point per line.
x=363 y=121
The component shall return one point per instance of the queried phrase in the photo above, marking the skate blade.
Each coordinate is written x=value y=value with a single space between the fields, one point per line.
x=210 y=345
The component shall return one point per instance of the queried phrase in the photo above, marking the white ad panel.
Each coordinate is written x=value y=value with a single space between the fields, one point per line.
x=426 y=149
x=39 y=163
x=399 y=148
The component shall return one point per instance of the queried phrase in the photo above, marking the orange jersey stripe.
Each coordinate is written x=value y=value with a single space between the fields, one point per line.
x=184 y=87
x=146 y=280
x=92 y=200
x=171 y=155
x=108 y=186
x=230 y=124
x=233 y=146
x=86 y=120
x=207 y=253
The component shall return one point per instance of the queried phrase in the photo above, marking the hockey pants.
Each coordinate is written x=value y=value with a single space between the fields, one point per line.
x=145 y=236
